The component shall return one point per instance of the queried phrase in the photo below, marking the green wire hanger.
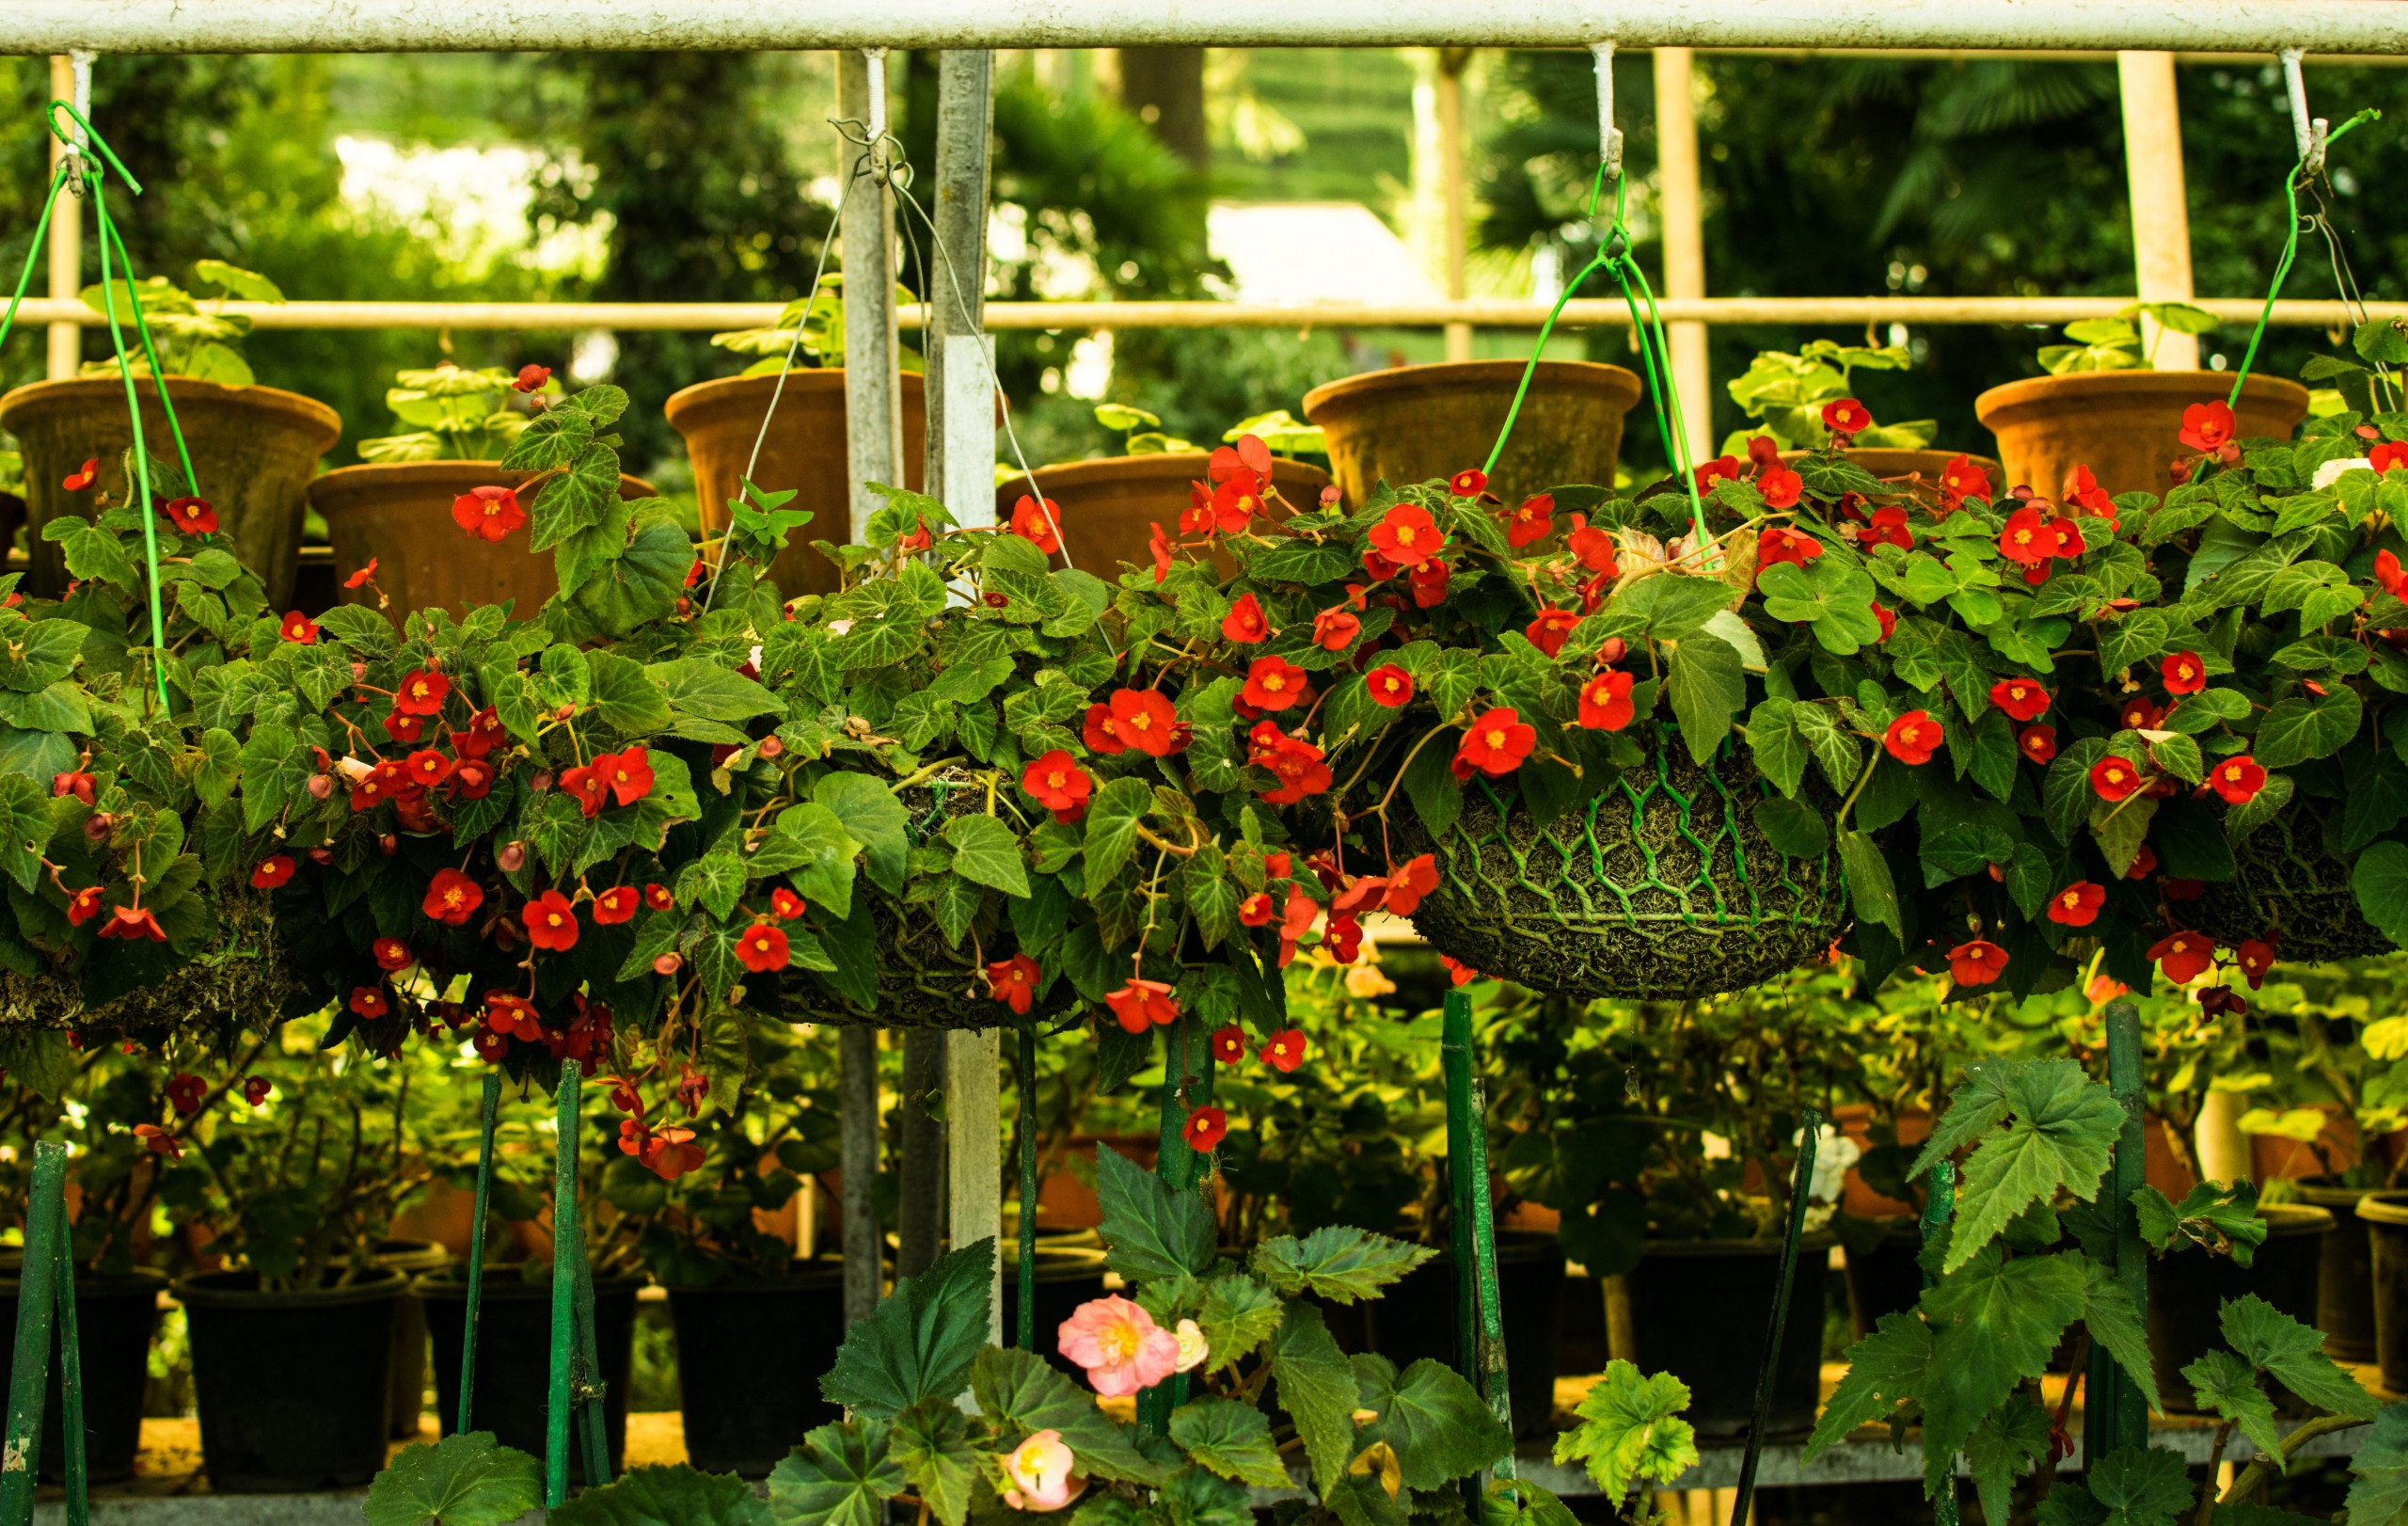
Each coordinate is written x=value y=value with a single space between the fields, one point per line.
x=79 y=160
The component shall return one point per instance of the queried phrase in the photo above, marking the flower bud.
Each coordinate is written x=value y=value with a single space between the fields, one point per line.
x=512 y=857
x=389 y=844
x=322 y=855
x=359 y=672
x=321 y=786
x=98 y=825
x=668 y=964
x=772 y=747
x=1613 y=650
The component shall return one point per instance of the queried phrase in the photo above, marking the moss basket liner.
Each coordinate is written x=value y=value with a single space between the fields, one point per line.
x=923 y=981
x=1659 y=887
x=2287 y=881
x=244 y=975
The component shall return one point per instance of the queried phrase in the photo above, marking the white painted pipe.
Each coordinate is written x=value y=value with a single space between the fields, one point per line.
x=143 y=26
x=1851 y=312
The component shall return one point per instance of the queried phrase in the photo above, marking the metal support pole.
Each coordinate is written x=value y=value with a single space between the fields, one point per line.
x=477 y=1253
x=1451 y=182
x=1810 y=1129
x=974 y=1153
x=45 y=1294
x=2160 y=214
x=865 y=1252
x=566 y=1248
x=872 y=402
x=919 y=1220
x=1024 y=1080
x=1939 y=1207
x=2114 y=1413
x=1678 y=189
x=1480 y=1321
x=71 y=79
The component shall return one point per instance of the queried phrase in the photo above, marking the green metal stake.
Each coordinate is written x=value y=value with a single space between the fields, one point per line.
x=2115 y=1415
x=476 y=1255
x=1187 y=1082
x=587 y=1375
x=565 y=1258
x=1939 y=1207
x=1479 y=1322
x=45 y=1293
x=1810 y=1129
x=1027 y=1289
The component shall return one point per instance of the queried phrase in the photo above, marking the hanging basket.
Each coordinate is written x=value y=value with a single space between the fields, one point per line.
x=1662 y=887
x=244 y=978
x=2286 y=882
x=923 y=981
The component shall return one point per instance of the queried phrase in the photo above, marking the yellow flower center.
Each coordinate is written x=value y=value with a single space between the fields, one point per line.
x=1142 y=721
x=1497 y=739
x=1404 y=535
x=551 y=919
x=2072 y=898
x=1057 y=779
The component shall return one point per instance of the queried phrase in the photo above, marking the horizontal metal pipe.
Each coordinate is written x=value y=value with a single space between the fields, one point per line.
x=1583 y=313
x=150 y=26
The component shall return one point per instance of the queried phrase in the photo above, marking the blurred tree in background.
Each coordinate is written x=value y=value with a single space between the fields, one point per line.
x=1839 y=177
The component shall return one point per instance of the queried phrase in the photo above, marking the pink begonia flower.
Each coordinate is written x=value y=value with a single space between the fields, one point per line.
x=1192 y=1347
x=1040 y=1469
x=1120 y=1346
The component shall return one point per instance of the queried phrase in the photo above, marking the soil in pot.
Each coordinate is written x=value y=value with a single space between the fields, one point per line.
x=1415 y=1318
x=2288 y=883
x=398 y=514
x=1067 y=1277
x=1699 y=1309
x=253 y=448
x=2345 y=1275
x=1660 y=887
x=410 y=1257
x=2124 y=425
x=291 y=1387
x=1410 y=423
x=2385 y=1216
x=1885 y=1278
x=515 y=1355
x=1108 y=509
x=2187 y=1293
x=744 y=1411
x=803 y=450
x=115 y=1317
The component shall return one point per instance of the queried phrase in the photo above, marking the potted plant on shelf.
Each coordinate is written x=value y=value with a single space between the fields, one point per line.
x=1410 y=423
x=252 y=448
x=292 y=1340
x=420 y=508
x=1105 y=510
x=1786 y=393
x=791 y=400
x=2102 y=406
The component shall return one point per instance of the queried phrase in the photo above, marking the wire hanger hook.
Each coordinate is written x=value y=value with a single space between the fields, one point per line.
x=2312 y=134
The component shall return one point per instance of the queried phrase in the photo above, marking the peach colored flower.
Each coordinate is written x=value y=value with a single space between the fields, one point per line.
x=1120 y=1346
x=1192 y=1347
x=1039 y=1470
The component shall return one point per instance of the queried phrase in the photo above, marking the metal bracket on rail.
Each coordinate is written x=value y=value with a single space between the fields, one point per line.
x=2310 y=133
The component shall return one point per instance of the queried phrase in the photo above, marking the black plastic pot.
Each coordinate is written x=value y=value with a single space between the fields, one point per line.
x=411 y=1258
x=1415 y=1318
x=1884 y=1279
x=1698 y=1310
x=749 y=1354
x=115 y=1317
x=514 y=1355
x=1582 y=1342
x=2385 y=1216
x=291 y=1387
x=2187 y=1293
x=1067 y=1277
x=2345 y=1281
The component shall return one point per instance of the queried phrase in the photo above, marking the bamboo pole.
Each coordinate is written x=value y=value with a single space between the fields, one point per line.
x=1580 y=312
x=1452 y=191
x=2160 y=214
x=66 y=231
x=1684 y=214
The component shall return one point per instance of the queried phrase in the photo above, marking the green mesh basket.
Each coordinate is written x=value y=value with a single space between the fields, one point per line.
x=2287 y=881
x=923 y=983
x=242 y=979
x=1660 y=887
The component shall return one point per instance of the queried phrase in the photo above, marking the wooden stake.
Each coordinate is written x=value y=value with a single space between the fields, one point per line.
x=2161 y=213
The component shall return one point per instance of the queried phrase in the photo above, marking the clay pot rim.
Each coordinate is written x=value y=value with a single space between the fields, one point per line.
x=2172 y=386
x=724 y=389
x=410 y=1255
x=1113 y=467
x=134 y=1279
x=2384 y=1205
x=2325 y=1195
x=298 y=406
x=226 y=1290
x=370 y=475
x=1584 y=375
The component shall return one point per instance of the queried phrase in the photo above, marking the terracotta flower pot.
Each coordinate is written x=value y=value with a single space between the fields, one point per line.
x=399 y=513
x=253 y=448
x=2124 y=425
x=1410 y=423
x=1109 y=508
x=804 y=451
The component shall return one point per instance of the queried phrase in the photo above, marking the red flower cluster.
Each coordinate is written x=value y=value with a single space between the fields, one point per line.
x=1294 y=762
x=1496 y=744
x=2032 y=540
